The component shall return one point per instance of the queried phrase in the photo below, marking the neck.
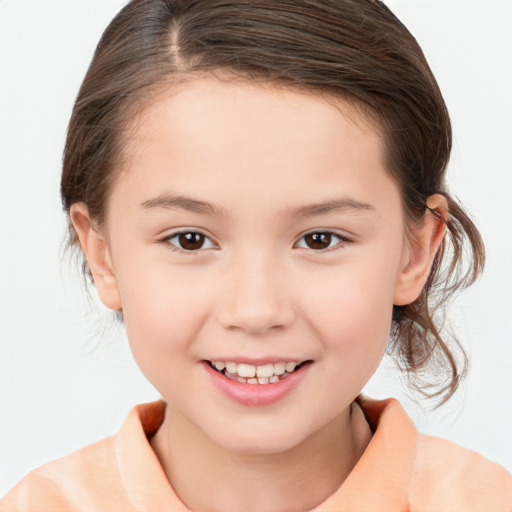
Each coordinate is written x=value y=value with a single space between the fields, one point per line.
x=209 y=478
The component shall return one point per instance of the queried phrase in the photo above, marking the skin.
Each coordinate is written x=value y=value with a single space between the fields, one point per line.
x=255 y=289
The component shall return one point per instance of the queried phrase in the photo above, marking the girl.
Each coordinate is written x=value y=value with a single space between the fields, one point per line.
x=259 y=191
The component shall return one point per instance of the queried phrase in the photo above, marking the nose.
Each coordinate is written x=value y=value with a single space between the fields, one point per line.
x=255 y=298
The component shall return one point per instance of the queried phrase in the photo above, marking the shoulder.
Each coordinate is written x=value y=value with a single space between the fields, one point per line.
x=434 y=474
x=102 y=476
x=65 y=484
x=446 y=476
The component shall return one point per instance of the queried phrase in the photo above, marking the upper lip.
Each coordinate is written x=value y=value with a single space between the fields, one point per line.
x=259 y=361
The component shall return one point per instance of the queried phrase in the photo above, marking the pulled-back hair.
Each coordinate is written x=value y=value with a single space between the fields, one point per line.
x=356 y=50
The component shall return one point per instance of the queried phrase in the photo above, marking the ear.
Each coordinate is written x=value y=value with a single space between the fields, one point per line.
x=97 y=252
x=424 y=241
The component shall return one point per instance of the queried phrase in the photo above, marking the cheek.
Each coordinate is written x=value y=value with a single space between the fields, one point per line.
x=163 y=311
x=352 y=321
x=352 y=308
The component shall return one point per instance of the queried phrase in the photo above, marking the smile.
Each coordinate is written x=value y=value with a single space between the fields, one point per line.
x=252 y=374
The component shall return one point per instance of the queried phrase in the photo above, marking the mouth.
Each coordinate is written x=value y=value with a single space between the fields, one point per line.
x=257 y=374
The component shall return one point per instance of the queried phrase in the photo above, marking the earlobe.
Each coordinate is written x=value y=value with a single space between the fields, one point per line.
x=96 y=251
x=425 y=240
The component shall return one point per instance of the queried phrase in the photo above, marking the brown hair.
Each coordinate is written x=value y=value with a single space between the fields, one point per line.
x=352 y=49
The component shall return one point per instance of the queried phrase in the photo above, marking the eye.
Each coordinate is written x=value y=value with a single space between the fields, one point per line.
x=321 y=240
x=190 y=241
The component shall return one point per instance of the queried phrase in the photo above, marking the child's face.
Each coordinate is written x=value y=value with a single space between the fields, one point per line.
x=248 y=172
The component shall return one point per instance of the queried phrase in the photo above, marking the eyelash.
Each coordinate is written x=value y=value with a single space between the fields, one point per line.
x=167 y=240
x=174 y=247
x=342 y=240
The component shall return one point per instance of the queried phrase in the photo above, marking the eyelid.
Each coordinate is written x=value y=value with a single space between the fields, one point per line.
x=344 y=239
x=173 y=234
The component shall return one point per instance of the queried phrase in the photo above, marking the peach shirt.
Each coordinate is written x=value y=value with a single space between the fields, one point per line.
x=401 y=470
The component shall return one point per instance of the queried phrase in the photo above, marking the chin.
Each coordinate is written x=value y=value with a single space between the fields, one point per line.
x=252 y=446
x=266 y=438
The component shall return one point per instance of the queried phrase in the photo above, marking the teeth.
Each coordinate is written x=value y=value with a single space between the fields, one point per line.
x=264 y=371
x=279 y=368
x=251 y=374
x=290 y=367
x=231 y=367
x=247 y=370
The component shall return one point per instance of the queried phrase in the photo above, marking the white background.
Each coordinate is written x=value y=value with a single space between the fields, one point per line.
x=64 y=384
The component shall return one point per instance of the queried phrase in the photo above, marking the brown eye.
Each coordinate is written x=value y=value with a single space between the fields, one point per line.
x=320 y=240
x=190 y=241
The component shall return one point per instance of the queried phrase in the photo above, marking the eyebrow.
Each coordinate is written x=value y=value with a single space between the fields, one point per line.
x=334 y=205
x=172 y=202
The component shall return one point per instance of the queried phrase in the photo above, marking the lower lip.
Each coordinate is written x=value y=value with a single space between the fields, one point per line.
x=256 y=394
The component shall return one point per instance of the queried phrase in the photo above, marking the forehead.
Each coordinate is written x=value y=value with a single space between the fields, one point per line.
x=226 y=138
x=201 y=98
